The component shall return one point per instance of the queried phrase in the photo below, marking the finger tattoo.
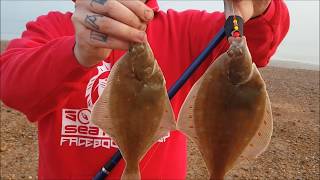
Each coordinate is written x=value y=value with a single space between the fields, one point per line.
x=101 y=2
x=91 y=20
x=98 y=36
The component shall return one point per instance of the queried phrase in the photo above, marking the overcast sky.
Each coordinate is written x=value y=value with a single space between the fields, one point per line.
x=301 y=44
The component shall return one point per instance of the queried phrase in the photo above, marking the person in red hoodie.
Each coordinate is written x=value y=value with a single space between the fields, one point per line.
x=55 y=72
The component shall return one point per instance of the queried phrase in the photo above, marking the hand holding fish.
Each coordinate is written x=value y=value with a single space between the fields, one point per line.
x=103 y=25
x=245 y=8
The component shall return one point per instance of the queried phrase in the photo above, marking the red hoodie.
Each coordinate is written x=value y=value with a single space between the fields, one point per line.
x=41 y=77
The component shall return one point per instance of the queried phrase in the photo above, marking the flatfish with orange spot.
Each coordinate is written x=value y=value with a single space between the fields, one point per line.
x=227 y=113
x=134 y=109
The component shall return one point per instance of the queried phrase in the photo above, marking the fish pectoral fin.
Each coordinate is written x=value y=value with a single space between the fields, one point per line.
x=167 y=122
x=259 y=143
x=186 y=115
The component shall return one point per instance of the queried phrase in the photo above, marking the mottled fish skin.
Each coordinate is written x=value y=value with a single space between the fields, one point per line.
x=135 y=109
x=227 y=107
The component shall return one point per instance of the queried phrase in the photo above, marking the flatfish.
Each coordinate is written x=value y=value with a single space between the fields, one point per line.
x=227 y=113
x=134 y=109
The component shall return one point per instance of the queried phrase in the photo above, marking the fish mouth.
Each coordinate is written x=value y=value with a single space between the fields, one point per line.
x=143 y=65
x=235 y=52
x=137 y=48
x=237 y=48
x=237 y=41
x=240 y=62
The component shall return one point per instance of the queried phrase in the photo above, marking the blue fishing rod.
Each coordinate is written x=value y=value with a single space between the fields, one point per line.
x=107 y=168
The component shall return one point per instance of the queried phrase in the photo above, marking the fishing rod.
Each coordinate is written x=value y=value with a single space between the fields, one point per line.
x=107 y=168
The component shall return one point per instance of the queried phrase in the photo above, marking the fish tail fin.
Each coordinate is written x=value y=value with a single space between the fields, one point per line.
x=215 y=177
x=131 y=172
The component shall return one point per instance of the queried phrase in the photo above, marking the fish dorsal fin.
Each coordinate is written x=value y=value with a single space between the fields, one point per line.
x=100 y=115
x=261 y=139
x=186 y=115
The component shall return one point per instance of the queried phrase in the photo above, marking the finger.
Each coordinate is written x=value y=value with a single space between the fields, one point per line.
x=99 y=40
x=116 y=11
x=228 y=10
x=110 y=27
x=104 y=41
x=144 y=12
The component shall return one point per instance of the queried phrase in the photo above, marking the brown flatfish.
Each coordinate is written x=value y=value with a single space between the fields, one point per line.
x=227 y=113
x=134 y=109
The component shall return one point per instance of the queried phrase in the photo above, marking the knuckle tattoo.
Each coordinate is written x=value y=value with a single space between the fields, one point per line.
x=101 y=2
x=98 y=36
x=91 y=20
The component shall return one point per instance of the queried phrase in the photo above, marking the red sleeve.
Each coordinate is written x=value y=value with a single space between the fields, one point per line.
x=263 y=33
x=267 y=31
x=40 y=67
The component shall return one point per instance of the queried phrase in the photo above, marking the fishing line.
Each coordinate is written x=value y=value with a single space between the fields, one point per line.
x=234 y=25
